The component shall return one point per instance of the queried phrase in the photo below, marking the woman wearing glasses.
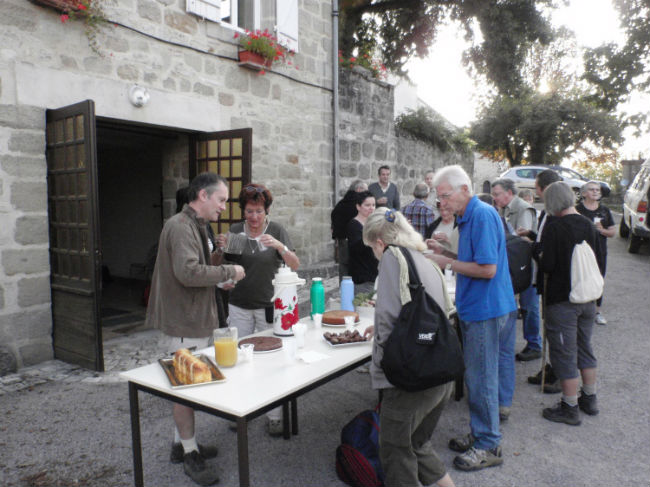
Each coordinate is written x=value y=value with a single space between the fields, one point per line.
x=266 y=248
x=594 y=210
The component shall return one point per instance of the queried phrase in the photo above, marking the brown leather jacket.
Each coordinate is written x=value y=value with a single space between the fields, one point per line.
x=182 y=300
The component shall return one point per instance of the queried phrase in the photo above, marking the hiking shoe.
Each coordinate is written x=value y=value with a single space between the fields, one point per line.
x=195 y=467
x=504 y=413
x=177 y=453
x=552 y=387
x=563 y=413
x=548 y=378
x=588 y=404
x=462 y=443
x=528 y=354
x=600 y=319
x=475 y=459
x=275 y=428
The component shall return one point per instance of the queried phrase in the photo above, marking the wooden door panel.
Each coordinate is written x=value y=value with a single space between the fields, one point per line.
x=75 y=258
x=228 y=154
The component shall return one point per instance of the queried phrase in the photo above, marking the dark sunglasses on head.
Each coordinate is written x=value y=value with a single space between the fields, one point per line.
x=254 y=188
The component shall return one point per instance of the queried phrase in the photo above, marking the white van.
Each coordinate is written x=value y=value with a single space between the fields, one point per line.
x=636 y=213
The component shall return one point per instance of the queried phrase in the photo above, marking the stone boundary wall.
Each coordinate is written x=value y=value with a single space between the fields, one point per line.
x=368 y=139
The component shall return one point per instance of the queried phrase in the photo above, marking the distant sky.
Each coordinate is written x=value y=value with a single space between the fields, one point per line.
x=444 y=84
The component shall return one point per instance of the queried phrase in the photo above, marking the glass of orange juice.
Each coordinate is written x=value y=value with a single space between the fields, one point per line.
x=225 y=346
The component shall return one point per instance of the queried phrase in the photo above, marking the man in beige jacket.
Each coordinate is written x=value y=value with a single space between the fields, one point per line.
x=182 y=302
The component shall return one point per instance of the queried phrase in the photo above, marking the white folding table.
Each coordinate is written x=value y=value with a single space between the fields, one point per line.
x=251 y=388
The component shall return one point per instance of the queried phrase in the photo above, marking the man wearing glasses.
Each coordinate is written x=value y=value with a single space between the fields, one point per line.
x=484 y=300
x=522 y=217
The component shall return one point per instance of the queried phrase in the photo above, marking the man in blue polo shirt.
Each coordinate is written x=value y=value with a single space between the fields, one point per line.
x=484 y=299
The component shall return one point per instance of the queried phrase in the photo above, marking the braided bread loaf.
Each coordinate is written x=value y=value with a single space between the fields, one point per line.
x=189 y=369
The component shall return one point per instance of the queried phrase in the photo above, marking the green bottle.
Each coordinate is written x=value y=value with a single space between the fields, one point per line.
x=317 y=296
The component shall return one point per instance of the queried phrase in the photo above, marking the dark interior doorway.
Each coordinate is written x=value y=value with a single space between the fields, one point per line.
x=130 y=181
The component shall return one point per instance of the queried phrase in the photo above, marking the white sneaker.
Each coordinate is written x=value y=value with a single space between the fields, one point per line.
x=600 y=319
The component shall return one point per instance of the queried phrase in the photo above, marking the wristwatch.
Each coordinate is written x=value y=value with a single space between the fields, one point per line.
x=284 y=251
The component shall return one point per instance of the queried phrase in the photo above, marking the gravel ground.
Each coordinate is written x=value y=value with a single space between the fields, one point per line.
x=66 y=433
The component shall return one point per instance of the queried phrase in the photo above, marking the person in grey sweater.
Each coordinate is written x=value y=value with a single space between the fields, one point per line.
x=407 y=418
x=385 y=192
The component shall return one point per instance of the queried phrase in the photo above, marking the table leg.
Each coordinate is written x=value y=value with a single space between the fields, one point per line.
x=286 y=427
x=135 y=435
x=294 y=416
x=242 y=452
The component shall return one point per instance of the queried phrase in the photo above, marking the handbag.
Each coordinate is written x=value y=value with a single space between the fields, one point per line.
x=422 y=350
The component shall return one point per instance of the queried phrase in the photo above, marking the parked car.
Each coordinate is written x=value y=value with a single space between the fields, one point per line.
x=635 y=222
x=524 y=177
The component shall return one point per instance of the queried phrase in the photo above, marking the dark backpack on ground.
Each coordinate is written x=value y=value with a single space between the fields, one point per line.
x=357 y=457
x=520 y=265
x=422 y=351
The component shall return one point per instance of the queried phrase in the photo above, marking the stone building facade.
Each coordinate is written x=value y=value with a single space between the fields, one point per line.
x=190 y=70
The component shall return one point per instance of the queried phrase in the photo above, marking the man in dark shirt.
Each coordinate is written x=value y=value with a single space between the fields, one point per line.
x=385 y=192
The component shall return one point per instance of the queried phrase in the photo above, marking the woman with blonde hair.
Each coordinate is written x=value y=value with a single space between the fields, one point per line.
x=407 y=418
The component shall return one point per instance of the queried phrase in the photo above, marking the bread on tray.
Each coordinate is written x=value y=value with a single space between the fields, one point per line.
x=190 y=369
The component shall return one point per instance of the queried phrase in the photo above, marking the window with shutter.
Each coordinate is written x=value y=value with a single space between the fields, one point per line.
x=287 y=23
x=280 y=16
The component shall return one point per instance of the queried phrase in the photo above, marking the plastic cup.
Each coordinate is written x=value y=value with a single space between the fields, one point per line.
x=317 y=318
x=247 y=351
x=299 y=330
x=289 y=350
x=597 y=219
x=349 y=322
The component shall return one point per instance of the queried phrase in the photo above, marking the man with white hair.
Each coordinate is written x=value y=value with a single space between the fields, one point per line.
x=484 y=299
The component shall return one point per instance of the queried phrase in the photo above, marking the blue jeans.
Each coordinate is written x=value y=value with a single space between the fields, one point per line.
x=489 y=351
x=529 y=300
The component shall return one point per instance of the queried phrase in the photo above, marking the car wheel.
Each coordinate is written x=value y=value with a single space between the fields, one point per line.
x=623 y=229
x=633 y=244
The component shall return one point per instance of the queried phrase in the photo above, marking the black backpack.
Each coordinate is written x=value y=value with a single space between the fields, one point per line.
x=520 y=253
x=423 y=350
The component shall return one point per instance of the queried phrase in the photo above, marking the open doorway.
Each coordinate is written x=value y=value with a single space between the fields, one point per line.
x=131 y=164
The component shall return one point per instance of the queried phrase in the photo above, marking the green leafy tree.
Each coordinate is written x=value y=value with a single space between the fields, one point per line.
x=398 y=30
x=538 y=128
x=614 y=72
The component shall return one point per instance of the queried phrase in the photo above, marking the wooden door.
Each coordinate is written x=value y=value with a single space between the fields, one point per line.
x=75 y=256
x=229 y=155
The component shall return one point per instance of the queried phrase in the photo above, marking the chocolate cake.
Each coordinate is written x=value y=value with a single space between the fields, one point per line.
x=263 y=344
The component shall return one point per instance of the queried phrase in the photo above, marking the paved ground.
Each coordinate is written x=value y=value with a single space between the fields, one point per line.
x=63 y=426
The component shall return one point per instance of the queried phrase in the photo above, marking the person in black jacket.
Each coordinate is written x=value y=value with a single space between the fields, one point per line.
x=568 y=325
x=363 y=264
x=344 y=211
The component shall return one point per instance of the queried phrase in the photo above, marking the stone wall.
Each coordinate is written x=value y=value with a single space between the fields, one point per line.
x=368 y=139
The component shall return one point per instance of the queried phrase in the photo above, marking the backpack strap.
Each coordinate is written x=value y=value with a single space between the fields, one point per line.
x=414 y=278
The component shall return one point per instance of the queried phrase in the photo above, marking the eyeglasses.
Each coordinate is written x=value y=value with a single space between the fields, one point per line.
x=257 y=189
x=444 y=197
x=593 y=189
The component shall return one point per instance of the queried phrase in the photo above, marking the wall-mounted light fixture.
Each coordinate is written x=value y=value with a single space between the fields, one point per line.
x=138 y=96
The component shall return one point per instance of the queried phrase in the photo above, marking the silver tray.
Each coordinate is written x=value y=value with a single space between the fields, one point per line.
x=338 y=345
x=167 y=365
